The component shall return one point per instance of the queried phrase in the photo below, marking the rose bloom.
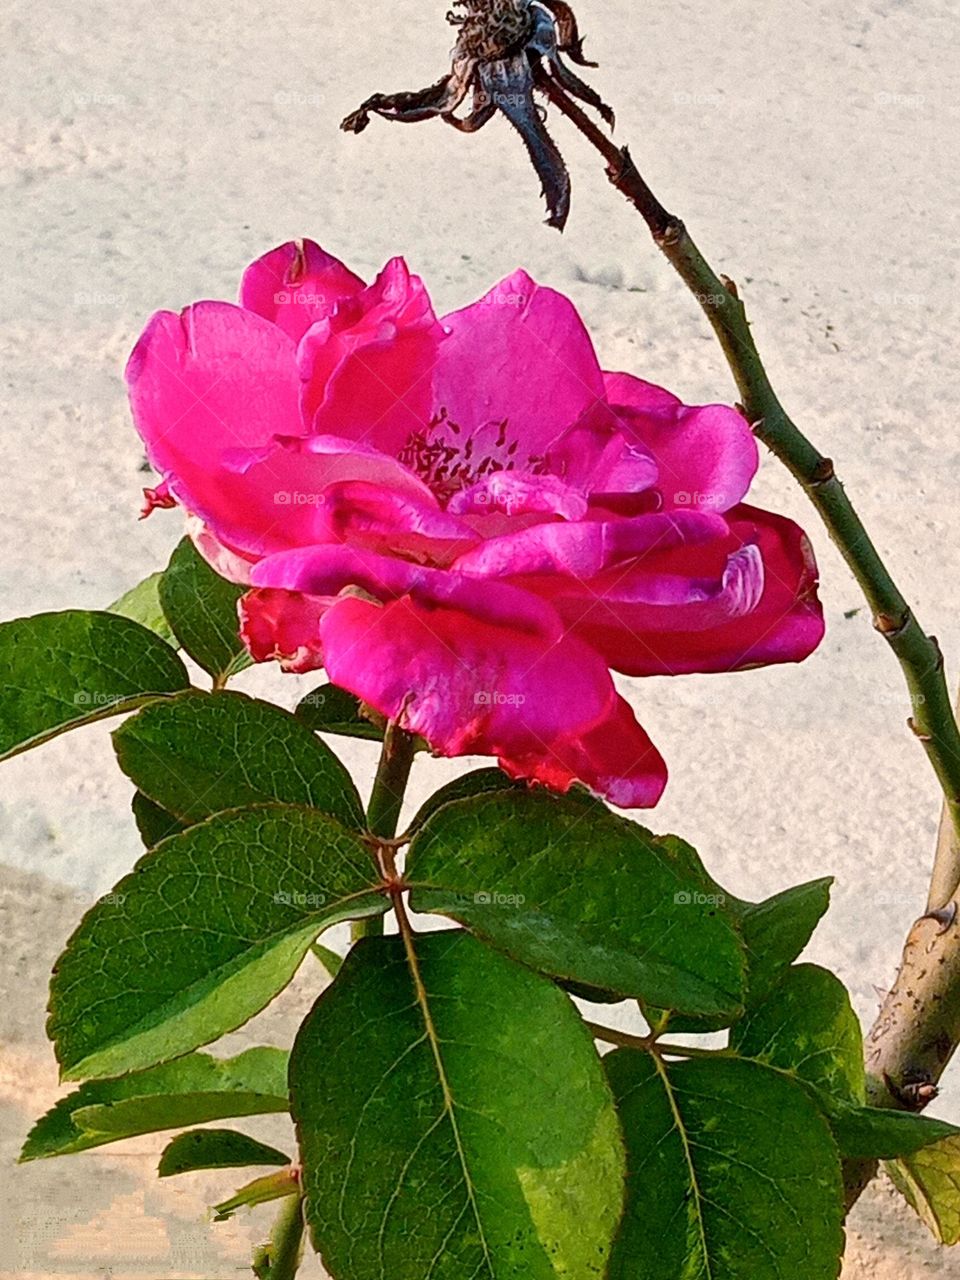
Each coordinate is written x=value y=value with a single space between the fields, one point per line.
x=465 y=521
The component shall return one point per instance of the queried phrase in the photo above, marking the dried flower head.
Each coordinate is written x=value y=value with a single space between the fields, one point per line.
x=506 y=50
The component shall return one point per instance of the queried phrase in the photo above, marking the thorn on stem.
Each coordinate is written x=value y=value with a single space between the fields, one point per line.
x=946 y=917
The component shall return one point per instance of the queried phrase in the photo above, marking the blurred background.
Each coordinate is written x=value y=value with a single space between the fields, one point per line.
x=150 y=152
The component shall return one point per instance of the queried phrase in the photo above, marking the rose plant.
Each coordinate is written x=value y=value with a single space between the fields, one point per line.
x=465 y=523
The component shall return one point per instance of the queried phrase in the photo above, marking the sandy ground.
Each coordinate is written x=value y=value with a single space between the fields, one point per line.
x=148 y=152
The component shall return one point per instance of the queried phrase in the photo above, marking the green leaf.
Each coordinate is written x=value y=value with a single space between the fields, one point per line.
x=777 y=930
x=200 y=753
x=330 y=709
x=191 y=1090
x=206 y=930
x=215 y=1149
x=272 y=1186
x=462 y=1127
x=731 y=1174
x=807 y=1027
x=476 y=783
x=774 y=932
x=577 y=893
x=330 y=960
x=153 y=823
x=61 y=670
x=874 y=1133
x=930 y=1181
x=201 y=608
x=142 y=604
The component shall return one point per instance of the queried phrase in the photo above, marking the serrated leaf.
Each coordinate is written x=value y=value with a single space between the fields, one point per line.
x=731 y=1172
x=807 y=1027
x=191 y=1090
x=206 y=930
x=930 y=1182
x=874 y=1133
x=201 y=608
x=215 y=1149
x=153 y=823
x=330 y=709
x=774 y=933
x=61 y=670
x=461 y=1128
x=565 y=886
x=142 y=604
x=200 y=753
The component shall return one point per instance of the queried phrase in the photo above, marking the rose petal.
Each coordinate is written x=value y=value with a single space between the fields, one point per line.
x=213 y=379
x=582 y=551
x=706 y=455
x=761 y=608
x=615 y=759
x=520 y=355
x=283 y=626
x=366 y=369
x=295 y=285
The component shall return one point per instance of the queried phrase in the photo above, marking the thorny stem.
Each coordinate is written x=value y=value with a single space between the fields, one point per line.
x=918 y=1028
x=919 y=655
x=386 y=801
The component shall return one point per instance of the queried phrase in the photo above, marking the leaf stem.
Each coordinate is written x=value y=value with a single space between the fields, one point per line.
x=281 y=1258
x=933 y=720
x=386 y=801
x=651 y=1044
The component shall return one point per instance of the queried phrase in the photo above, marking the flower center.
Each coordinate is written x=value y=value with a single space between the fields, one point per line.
x=448 y=461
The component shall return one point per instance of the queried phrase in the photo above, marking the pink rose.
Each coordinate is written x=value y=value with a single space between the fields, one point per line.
x=466 y=521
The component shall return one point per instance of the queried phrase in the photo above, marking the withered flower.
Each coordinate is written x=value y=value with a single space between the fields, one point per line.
x=505 y=51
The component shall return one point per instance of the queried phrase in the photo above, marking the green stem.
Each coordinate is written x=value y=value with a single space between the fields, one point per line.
x=918 y=1028
x=386 y=801
x=919 y=655
x=651 y=1044
x=281 y=1258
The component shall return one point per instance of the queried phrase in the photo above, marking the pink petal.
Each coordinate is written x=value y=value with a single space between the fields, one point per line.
x=331 y=570
x=205 y=382
x=516 y=493
x=370 y=516
x=595 y=457
x=615 y=759
x=761 y=607
x=295 y=285
x=706 y=455
x=521 y=354
x=283 y=626
x=366 y=368
x=556 y=553
x=467 y=684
